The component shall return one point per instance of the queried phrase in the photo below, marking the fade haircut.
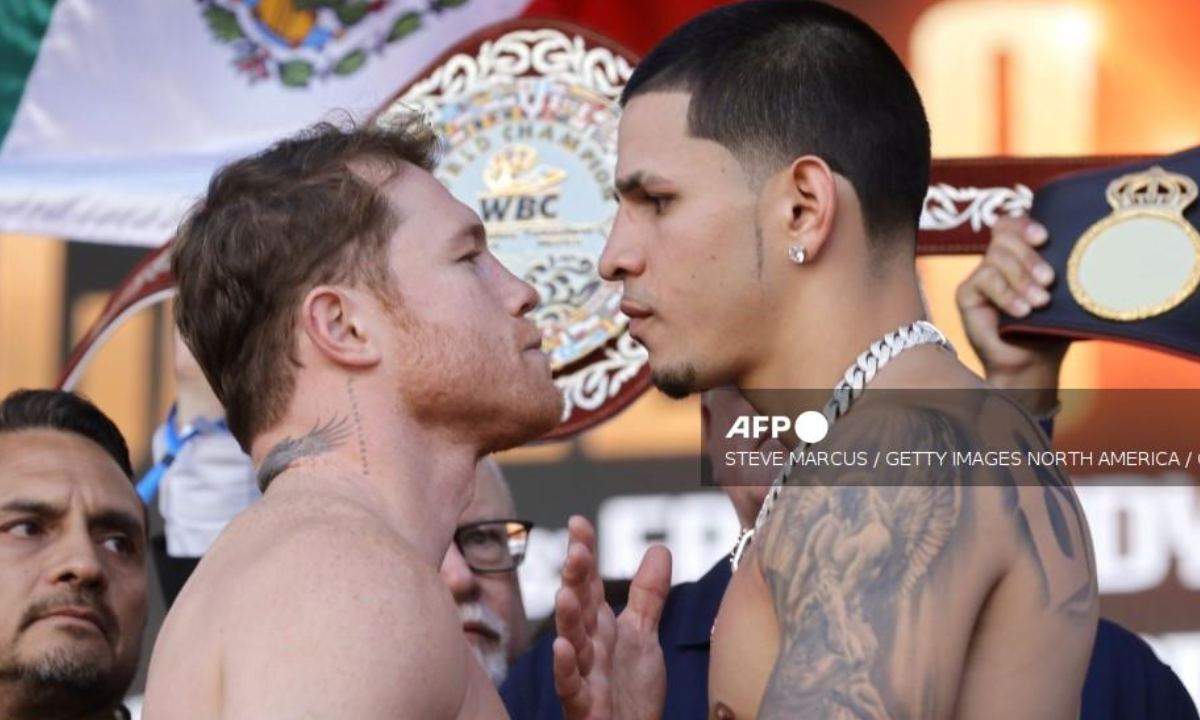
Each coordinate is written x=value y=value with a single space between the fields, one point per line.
x=270 y=228
x=67 y=412
x=777 y=79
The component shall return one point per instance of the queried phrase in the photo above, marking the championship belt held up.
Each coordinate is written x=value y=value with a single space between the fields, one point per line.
x=1126 y=255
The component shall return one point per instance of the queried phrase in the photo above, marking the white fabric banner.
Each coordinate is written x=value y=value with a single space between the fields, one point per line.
x=131 y=105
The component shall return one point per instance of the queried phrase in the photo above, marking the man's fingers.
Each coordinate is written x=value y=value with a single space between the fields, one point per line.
x=583 y=530
x=569 y=624
x=605 y=635
x=577 y=569
x=1022 y=236
x=1033 y=232
x=649 y=588
x=568 y=681
x=585 y=575
x=580 y=528
x=579 y=566
x=580 y=576
x=1021 y=249
x=988 y=286
x=1009 y=225
x=1017 y=274
x=1012 y=275
x=567 y=621
x=582 y=533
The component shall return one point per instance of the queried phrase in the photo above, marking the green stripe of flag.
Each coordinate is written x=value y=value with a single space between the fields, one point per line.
x=23 y=23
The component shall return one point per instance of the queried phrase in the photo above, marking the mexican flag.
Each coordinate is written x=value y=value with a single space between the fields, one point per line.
x=115 y=113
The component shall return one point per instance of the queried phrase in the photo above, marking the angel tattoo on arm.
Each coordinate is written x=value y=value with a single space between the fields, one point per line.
x=863 y=575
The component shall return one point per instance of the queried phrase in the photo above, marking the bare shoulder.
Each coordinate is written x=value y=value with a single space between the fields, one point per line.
x=948 y=468
x=331 y=609
x=884 y=555
x=323 y=535
x=875 y=504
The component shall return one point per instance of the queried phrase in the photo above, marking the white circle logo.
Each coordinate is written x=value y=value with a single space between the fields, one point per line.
x=811 y=427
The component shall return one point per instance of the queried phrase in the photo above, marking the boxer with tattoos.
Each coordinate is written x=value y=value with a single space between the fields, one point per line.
x=773 y=159
x=368 y=350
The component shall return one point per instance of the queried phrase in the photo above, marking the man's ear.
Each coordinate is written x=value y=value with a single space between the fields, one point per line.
x=337 y=322
x=801 y=207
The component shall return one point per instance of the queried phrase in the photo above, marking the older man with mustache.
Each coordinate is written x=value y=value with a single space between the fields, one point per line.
x=480 y=569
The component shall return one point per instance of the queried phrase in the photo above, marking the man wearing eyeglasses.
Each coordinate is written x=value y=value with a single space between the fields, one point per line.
x=480 y=568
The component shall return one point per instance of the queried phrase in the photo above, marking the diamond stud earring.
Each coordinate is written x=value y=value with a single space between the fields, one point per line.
x=796 y=254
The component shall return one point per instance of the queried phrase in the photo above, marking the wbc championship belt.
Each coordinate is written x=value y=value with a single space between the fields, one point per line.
x=1126 y=252
x=527 y=112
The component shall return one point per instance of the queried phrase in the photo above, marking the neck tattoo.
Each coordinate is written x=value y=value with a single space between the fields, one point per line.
x=861 y=372
x=323 y=437
x=358 y=428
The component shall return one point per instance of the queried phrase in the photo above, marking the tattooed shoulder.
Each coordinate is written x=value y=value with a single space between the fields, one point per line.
x=848 y=550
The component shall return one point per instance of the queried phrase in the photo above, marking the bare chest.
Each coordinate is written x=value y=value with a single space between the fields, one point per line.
x=745 y=643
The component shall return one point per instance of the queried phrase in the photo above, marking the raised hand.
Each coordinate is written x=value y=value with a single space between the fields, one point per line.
x=607 y=667
x=1013 y=278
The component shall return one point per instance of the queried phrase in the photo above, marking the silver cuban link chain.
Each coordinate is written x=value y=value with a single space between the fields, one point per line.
x=860 y=373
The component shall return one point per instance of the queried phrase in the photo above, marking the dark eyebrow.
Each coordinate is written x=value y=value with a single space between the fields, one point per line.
x=630 y=183
x=32 y=507
x=477 y=234
x=117 y=520
x=110 y=519
x=636 y=182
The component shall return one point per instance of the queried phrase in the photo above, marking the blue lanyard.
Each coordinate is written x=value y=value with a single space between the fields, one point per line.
x=147 y=487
